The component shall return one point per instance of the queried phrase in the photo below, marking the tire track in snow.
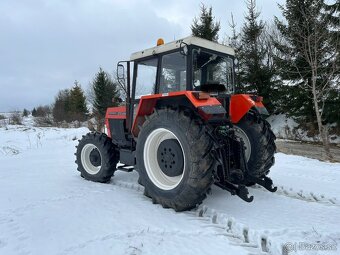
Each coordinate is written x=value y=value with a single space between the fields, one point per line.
x=310 y=177
x=17 y=235
x=302 y=195
x=238 y=234
x=43 y=202
x=133 y=234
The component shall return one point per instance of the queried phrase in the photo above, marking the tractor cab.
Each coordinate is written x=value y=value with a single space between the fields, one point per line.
x=191 y=64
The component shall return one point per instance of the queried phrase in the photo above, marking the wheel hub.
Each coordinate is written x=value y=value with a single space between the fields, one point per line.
x=150 y=157
x=91 y=158
x=170 y=157
x=247 y=145
x=95 y=158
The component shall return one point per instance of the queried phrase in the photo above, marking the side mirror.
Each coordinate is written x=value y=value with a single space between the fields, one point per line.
x=184 y=50
x=120 y=72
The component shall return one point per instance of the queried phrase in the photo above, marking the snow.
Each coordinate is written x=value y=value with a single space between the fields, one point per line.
x=47 y=208
x=281 y=125
x=285 y=127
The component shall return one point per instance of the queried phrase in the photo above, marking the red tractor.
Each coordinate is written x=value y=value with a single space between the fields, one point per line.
x=182 y=128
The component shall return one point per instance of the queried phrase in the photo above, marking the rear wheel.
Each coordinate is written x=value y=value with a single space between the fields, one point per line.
x=96 y=157
x=174 y=159
x=259 y=142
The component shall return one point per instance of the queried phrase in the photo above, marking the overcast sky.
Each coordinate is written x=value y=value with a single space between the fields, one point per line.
x=45 y=45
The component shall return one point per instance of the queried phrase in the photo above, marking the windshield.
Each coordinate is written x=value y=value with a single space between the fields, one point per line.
x=212 y=70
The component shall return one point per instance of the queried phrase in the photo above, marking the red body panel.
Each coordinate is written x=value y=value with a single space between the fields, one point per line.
x=114 y=113
x=147 y=104
x=240 y=104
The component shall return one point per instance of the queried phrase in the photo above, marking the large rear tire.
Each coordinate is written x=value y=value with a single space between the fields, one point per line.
x=96 y=157
x=174 y=159
x=259 y=142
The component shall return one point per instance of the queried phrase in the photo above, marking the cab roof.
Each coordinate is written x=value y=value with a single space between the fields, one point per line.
x=190 y=40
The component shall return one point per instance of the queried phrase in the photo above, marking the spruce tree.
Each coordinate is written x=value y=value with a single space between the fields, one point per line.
x=297 y=93
x=106 y=94
x=70 y=105
x=204 y=26
x=255 y=71
x=332 y=106
x=78 y=108
x=25 y=113
x=61 y=106
x=331 y=12
x=34 y=112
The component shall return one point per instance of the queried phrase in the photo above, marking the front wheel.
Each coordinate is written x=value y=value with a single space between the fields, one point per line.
x=259 y=143
x=174 y=159
x=96 y=157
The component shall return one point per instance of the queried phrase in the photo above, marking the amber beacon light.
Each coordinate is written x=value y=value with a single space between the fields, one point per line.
x=160 y=41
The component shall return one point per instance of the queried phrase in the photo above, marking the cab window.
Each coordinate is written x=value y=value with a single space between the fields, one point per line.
x=211 y=69
x=146 y=77
x=173 y=73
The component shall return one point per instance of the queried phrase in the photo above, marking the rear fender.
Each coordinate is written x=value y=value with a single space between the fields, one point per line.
x=240 y=105
x=205 y=107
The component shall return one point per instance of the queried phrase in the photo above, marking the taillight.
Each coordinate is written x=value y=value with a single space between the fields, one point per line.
x=257 y=98
x=201 y=95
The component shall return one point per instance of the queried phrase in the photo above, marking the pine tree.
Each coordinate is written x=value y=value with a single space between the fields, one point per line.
x=78 y=108
x=70 y=105
x=331 y=13
x=332 y=104
x=106 y=94
x=297 y=92
x=255 y=70
x=204 y=26
x=34 y=112
x=25 y=113
x=61 y=106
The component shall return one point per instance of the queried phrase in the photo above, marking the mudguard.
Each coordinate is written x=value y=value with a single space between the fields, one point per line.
x=206 y=107
x=240 y=104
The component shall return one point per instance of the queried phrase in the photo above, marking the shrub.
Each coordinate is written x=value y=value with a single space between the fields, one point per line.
x=41 y=111
x=46 y=121
x=15 y=119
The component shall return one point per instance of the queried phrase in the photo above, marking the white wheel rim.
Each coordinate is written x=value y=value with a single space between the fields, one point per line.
x=85 y=159
x=241 y=134
x=153 y=170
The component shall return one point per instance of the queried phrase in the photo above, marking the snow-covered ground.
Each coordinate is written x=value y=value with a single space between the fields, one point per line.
x=47 y=208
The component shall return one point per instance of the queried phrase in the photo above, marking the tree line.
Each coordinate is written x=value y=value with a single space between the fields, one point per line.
x=293 y=63
x=76 y=105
